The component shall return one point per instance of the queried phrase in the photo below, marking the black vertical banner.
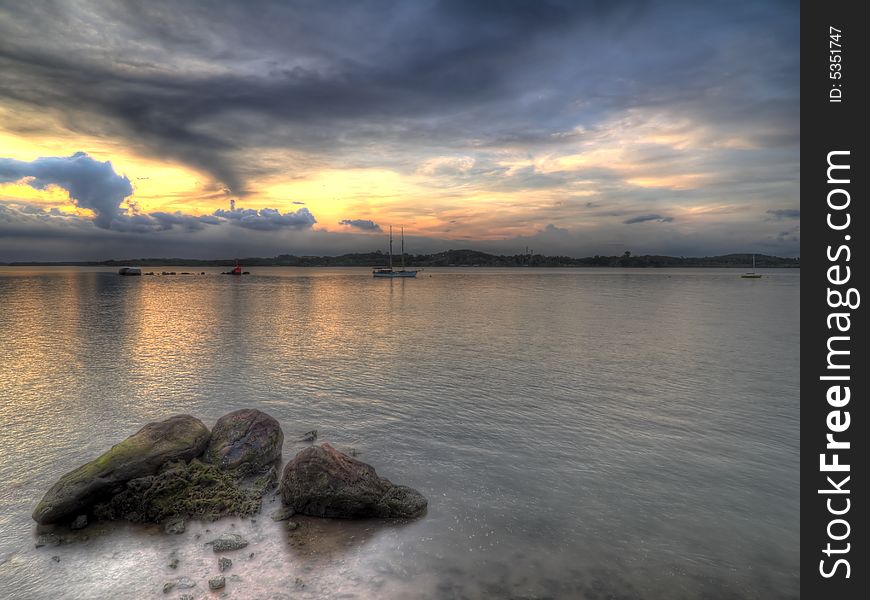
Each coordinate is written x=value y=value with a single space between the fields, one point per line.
x=835 y=66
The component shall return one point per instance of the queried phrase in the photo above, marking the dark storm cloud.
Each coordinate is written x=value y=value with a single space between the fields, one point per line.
x=648 y=218
x=785 y=213
x=205 y=83
x=161 y=221
x=361 y=224
x=91 y=184
x=226 y=87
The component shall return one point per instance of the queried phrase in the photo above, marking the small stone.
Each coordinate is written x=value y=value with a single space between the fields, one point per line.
x=80 y=522
x=309 y=436
x=299 y=583
x=173 y=564
x=186 y=597
x=251 y=555
x=216 y=583
x=283 y=513
x=228 y=541
x=174 y=525
x=167 y=587
x=292 y=525
x=224 y=564
x=47 y=539
x=55 y=558
x=185 y=584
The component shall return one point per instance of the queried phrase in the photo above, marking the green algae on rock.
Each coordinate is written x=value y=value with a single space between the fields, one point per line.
x=161 y=472
x=195 y=490
x=181 y=437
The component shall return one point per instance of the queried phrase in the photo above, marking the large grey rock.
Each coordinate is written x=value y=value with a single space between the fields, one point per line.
x=181 y=437
x=323 y=482
x=246 y=441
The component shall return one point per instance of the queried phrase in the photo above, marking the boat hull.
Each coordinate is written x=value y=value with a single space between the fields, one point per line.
x=394 y=274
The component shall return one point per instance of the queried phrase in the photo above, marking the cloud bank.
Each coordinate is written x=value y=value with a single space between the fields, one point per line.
x=647 y=219
x=96 y=186
x=91 y=184
x=361 y=224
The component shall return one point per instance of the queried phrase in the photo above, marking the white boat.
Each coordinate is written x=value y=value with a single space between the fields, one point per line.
x=129 y=271
x=390 y=271
x=752 y=274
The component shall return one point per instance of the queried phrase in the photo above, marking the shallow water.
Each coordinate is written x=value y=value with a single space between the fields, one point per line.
x=580 y=433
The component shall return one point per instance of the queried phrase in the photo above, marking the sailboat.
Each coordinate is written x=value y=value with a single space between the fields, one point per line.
x=752 y=274
x=389 y=271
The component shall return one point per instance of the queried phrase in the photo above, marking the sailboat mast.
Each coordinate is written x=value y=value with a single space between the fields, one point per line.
x=753 y=263
x=403 y=247
x=391 y=247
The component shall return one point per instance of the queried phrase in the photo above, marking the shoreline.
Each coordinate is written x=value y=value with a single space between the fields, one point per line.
x=450 y=258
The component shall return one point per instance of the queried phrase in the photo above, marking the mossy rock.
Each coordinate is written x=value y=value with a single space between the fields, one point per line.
x=181 y=437
x=196 y=490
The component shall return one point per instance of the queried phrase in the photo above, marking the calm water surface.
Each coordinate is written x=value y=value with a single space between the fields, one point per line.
x=579 y=433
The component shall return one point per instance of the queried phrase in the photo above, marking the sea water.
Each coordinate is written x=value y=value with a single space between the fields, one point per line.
x=579 y=433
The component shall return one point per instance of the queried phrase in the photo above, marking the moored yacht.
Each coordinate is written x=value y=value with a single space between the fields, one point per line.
x=390 y=271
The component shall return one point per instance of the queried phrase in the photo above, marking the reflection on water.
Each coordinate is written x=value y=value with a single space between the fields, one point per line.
x=579 y=433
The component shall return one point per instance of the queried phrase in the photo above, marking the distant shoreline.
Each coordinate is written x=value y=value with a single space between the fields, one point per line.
x=450 y=258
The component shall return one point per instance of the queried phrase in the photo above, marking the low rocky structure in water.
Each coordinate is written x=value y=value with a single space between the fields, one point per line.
x=174 y=468
x=323 y=482
x=177 y=469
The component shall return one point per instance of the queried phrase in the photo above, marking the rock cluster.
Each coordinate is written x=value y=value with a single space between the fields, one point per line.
x=176 y=469
x=168 y=468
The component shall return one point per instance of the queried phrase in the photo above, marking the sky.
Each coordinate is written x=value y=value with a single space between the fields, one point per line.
x=227 y=129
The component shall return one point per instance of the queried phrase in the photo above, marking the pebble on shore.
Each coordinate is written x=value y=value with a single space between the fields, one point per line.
x=227 y=542
x=174 y=525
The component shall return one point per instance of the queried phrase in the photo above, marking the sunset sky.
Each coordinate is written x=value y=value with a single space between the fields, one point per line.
x=207 y=129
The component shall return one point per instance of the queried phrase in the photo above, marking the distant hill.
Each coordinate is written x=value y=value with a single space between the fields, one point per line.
x=451 y=258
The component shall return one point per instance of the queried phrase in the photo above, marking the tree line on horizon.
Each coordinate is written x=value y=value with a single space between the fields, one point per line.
x=451 y=258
